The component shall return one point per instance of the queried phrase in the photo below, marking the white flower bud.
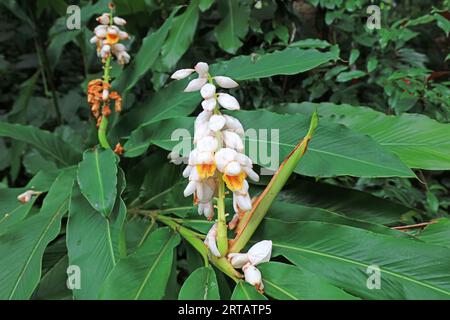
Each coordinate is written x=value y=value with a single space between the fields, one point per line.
x=206 y=209
x=216 y=122
x=209 y=104
x=233 y=124
x=253 y=276
x=195 y=85
x=208 y=91
x=106 y=49
x=228 y=101
x=202 y=69
x=233 y=140
x=113 y=30
x=238 y=260
x=123 y=35
x=123 y=57
x=226 y=82
x=119 y=21
x=190 y=188
x=181 y=74
x=105 y=94
x=94 y=39
x=233 y=168
x=27 y=195
x=223 y=157
x=187 y=171
x=210 y=240
x=118 y=47
x=100 y=32
x=103 y=19
x=207 y=143
x=241 y=202
x=260 y=252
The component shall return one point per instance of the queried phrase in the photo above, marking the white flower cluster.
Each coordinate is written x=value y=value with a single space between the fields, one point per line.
x=219 y=148
x=257 y=254
x=107 y=37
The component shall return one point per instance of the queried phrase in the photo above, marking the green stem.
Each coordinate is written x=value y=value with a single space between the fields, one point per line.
x=222 y=239
x=102 y=133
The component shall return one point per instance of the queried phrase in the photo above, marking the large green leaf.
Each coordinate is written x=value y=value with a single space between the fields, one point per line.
x=144 y=273
x=22 y=246
x=332 y=152
x=234 y=25
x=172 y=102
x=97 y=178
x=93 y=243
x=52 y=285
x=420 y=142
x=288 y=282
x=47 y=143
x=345 y=256
x=437 y=233
x=181 y=35
x=200 y=285
x=245 y=291
x=145 y=58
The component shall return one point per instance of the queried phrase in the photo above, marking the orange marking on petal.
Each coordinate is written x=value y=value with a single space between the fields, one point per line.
x=234 y=182
x=112 y=38
x=206 y=170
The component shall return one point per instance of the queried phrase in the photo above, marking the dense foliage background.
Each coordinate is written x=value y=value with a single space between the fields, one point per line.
x=384 y=104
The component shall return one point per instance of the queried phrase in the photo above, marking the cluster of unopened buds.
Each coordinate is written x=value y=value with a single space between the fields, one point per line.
x=107 y=37
x=219 y=155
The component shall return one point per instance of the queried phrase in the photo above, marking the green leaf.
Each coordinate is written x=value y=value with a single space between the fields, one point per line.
x=97 y=178
x=234 y=26
x=47 y=143
x=181 y=35
x=200 y=285
x=345 y=255
x=245 y=291
x=420 y=142
x=331 y=153
x=310 y=44
x=354 y=55
x=23 y=245
x=93 y=242
x=143 y=61
x=437 y=233
x=372 y=63
x=350 y=75
x=52 y=285
x=287 y=282
x=205 y=4
x=144 y=273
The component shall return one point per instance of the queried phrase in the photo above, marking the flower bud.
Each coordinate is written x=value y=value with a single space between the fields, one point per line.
x=181 y=74
x=260 y=252
x=202 y=69
x=238 y=260
x=123 y=35
x=119 y=21
x=208 y=91
x=209 y=104
x=226 y=82
x=216 y=122
x=195 y=85
x=103 y=19
x=253 y=276
x=27 y=195
x=228 y=101
x=232 y=140
x=210 y=240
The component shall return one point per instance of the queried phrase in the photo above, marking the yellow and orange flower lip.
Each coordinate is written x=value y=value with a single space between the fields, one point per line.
x=112 y=38
x=235 y=183
x=206 y=170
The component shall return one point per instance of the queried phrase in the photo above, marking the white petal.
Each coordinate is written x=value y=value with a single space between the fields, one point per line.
x=233 y=140
x=260 y=252
x=228 y=101
x=207 y=143
x=234 y=125
x=123 y=35
x=238 y=260
x=187 y=171
x=253 y=275
x=113 y=30
x=100 y=32
x=243 y=201
x=94 y=39
x=233 y=168
x=190 y=188
x=119 y=21
x=210 y=240
x=103 y=19
x=216 y=122
x=202 y=69
x=251 y=174
x=123 y=57
x=208 y=91
x=118 y=47
x=195 y=85
x=209 y=104
x=226 y=82
x=27 y=195
x=105 y=94
x=205 y=157
x=202 y=118
x=181 y=74
x=223 y=157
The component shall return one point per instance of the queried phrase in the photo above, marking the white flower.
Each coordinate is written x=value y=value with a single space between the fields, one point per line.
x=27 y=195
x=209 y=104
x=226 y=82
x=216 y=122
x=206 y=209
x=119 y=21
x=238 y=260
x=195 y=85
x=100 y=31
x=260 y=252
x=208 y=91
x=241 y=199
x=123 y=35
x=104 y=53
x=202 y=69
x=210 y=240
x=228 y=101
x=233 y=124
x=103 y=19
x=182 y=73
x=253 y=276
